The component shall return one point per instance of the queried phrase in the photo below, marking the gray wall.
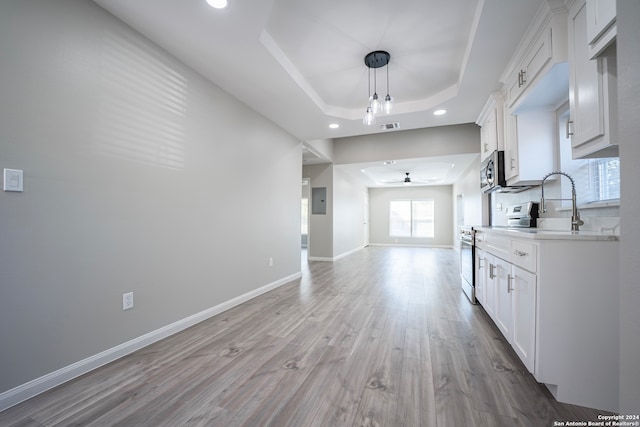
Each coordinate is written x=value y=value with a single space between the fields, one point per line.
x=322 y=147
x=320 y=243
x=379 y=199
x=139 y=176
x=341 y=230
x=629 y=113
x=409 y=144
x=348 y=213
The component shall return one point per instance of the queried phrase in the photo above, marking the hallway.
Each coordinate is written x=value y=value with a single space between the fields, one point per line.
x=383 y=337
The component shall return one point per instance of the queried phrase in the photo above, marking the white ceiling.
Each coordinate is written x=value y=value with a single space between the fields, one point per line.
x=437 y=170
x=301 y=62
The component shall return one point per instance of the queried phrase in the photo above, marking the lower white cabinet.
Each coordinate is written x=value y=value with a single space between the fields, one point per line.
x=508 y=295
x=485 y=284
x=503 y=316
x=481 y=266
x=553 y=297
x=523 y=311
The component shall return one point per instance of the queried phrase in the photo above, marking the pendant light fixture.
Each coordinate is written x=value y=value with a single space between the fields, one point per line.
x=373 y=61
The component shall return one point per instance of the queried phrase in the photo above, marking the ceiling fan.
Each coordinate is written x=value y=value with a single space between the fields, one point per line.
x=408 y=180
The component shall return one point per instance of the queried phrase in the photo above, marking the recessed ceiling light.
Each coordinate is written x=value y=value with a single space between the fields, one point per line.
x=334 y=126
x=439 y=112
x=218 y=4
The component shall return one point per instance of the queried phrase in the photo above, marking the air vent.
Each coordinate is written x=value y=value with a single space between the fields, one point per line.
x=390 y=126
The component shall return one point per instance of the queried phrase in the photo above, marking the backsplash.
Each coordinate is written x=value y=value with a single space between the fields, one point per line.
x=597 y=217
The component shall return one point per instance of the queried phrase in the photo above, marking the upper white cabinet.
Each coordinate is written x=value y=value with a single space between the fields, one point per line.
x=601 y=25
x=543 y=46
x=592 y=93
x=535 y=82
x=529 y=150
x=491 y=128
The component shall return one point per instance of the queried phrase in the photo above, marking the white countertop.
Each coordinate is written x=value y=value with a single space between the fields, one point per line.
x=542 y=234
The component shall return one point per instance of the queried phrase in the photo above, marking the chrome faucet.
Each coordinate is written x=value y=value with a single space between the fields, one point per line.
x=576 y=222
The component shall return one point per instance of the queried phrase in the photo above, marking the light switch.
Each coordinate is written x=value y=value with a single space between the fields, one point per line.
x=12 y=180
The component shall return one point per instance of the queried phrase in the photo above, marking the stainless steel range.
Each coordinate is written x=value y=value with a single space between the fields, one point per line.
x=524 y=215
x=467 y=260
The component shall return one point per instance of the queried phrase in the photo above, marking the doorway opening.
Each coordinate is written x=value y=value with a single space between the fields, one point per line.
x=304 y=221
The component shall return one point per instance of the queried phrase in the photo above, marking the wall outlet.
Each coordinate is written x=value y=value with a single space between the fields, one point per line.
x=270 y=262
x=127 y=301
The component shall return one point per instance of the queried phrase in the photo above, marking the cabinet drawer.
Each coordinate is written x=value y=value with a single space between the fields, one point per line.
x=498 y=245
x=480 y=240
x=524 y=255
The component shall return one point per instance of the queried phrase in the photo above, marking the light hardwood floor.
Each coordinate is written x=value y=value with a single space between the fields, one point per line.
x=383 y=337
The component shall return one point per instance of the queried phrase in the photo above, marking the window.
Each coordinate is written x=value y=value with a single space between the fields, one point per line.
x=596 y=180
x=411 y=218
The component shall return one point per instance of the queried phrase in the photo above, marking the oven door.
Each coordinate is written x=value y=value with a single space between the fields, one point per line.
x=467 y=269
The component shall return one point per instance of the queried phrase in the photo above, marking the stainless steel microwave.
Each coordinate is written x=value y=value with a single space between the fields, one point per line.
x=492 y=172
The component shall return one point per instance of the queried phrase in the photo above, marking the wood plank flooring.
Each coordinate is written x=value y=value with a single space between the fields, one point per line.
x=383 y=337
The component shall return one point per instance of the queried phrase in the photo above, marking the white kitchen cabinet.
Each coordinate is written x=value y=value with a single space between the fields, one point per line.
x=491 y=128
x=503 y=314
x=489 y=286
x=523 y=310
x=543 y=46
x=601 y=25
x=555 y=308
x=511 y=158
x=510 y=294
x=577 y=340
x=480 y=266
x=529 y=146
x=592 y=93
x=526 y=72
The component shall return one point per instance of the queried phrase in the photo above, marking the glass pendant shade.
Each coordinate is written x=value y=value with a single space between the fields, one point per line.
x=388 y=104
x=369 y=117
x=375 y=104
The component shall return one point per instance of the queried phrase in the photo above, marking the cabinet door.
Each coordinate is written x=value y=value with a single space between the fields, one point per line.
x=539 y=55
x=591 y=91
x=600 y=16
x=510 y=145
x=503 y=315
x=481 y=266
x=489 y=135
x=523 y=302
x=489 y=275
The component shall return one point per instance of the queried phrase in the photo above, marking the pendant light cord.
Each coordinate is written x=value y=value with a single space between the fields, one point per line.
x=375 y=80
x=369 y=93
x=387 y=78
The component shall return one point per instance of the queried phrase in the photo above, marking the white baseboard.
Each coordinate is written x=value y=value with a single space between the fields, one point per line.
x=329 y=259
x=406 y=245
x=319 y=258
x=346 y=254
x=37 y=386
